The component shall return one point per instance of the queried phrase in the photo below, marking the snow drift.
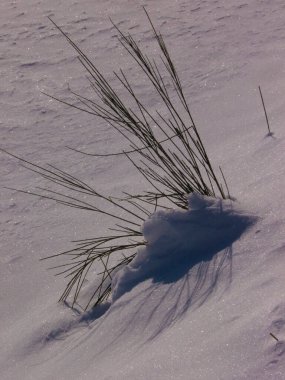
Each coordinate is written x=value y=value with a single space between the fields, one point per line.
x=224 y=51
x=179 y=240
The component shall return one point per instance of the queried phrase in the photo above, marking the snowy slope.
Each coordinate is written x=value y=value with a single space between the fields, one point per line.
x=210 y=318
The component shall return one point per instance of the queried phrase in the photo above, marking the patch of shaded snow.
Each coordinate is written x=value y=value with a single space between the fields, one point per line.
x=177 y=240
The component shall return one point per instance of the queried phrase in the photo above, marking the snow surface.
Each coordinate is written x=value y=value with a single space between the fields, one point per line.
x=209 y=317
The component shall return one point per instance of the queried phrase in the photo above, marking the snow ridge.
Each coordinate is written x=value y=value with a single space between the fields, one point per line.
x=177 y=240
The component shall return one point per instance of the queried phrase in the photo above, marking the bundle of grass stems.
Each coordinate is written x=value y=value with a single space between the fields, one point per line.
x=173 y=166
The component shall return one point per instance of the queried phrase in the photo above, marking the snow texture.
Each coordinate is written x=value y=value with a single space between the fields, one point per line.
x=202 y=299
x=178 y=240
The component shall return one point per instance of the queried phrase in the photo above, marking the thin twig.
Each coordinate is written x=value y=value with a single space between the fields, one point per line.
x=263 y=104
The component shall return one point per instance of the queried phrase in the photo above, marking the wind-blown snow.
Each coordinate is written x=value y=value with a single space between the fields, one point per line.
x=200 y=301
x=179 y=240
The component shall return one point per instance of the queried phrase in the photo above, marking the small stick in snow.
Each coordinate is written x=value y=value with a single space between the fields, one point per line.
x=274 y=337
x=269 y=131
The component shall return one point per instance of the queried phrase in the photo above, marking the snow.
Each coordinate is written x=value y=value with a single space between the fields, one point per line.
x=200 y=301
x=179 y=240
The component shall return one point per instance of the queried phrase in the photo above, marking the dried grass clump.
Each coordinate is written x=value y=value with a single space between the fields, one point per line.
x=174 y=166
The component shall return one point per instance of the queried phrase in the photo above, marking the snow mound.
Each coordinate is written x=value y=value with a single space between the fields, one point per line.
x=177 y=240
